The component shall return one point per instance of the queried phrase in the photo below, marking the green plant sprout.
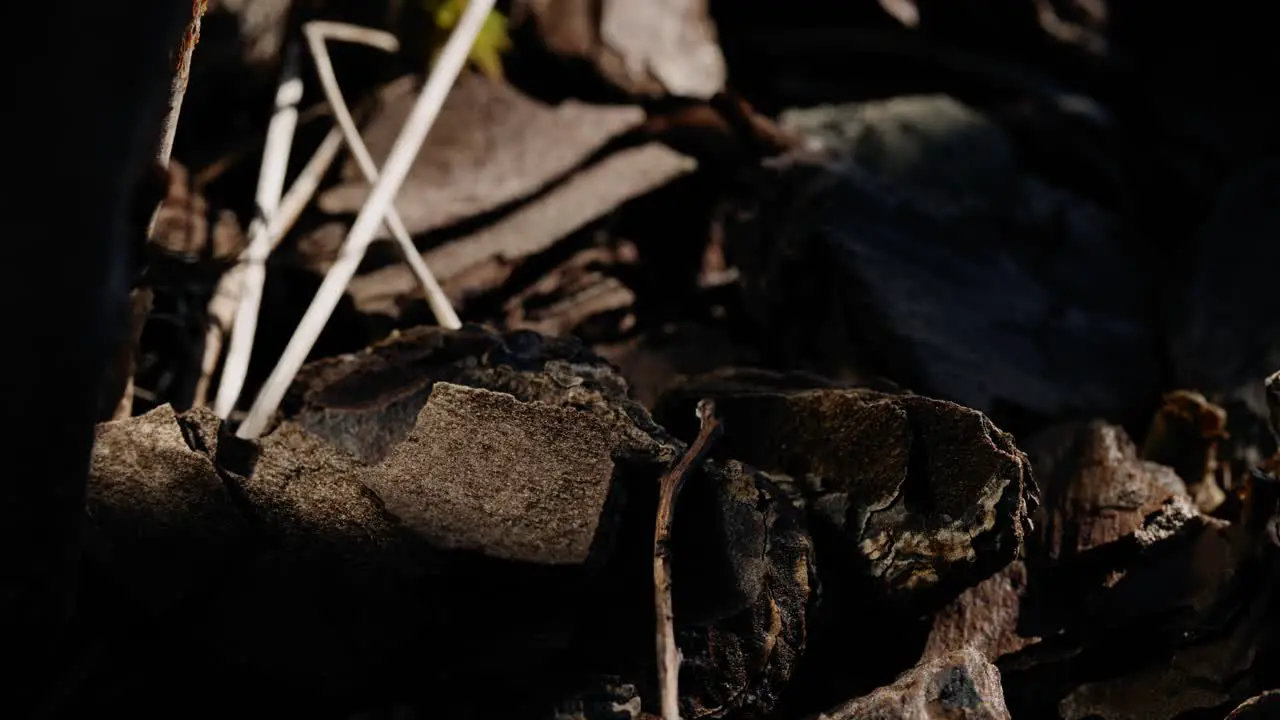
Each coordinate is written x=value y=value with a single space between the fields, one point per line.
x=486 y=53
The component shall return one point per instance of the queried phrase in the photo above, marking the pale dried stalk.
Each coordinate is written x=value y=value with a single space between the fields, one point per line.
x=252 y=267
x=226 y=297
x=317 y=33
x=668 y=490
x=304 y=187
x=421 y=117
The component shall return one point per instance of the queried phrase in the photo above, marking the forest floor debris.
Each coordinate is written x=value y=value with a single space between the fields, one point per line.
x=987 y=332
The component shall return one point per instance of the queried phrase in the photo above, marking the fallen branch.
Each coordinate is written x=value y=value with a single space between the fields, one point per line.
x=317 y=32
x=403 y=152
x=668 y=489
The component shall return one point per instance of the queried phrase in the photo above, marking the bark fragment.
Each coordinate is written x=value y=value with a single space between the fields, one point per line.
x=490 y=515
x=161 y=520
x=561 y=418
x=745 y=582
x=984 y=617
x=485 y=472
x=918 y=497
x=959 y=686
x=1096 y=488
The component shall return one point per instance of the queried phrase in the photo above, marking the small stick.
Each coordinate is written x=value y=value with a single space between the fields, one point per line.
x=421 y=117
x=1273 y=404
x=304 y=187
x=226 y=296
x=317 y=32
x=140 y=299
x=178 y=91
x=253 y=264
x=668 y=489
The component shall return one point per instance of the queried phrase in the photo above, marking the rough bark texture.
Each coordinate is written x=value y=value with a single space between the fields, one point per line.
x=918 y=497
x=1145 y=607
x=1118 y=535
x=744 y=591
x=1097 y=489
x=984 y=617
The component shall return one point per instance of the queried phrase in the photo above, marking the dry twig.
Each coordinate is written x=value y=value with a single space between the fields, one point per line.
x=421 y=117
x=317 y=32
x=250 y=273
x=668 y=489
x=1273 y=403
x=178 y=90
x=226 y=297
x=141 y=299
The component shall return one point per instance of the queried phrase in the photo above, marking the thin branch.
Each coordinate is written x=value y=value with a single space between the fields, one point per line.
x=140 y=299
x=1273 y=404
x=178 y=90
x=253 y=265
x=317 y=32
x=668 y=490
x=421 y=117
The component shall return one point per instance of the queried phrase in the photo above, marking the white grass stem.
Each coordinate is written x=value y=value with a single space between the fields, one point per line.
x=226 y=296
x=421 y=117
x=316 y=33
x=275 y=162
